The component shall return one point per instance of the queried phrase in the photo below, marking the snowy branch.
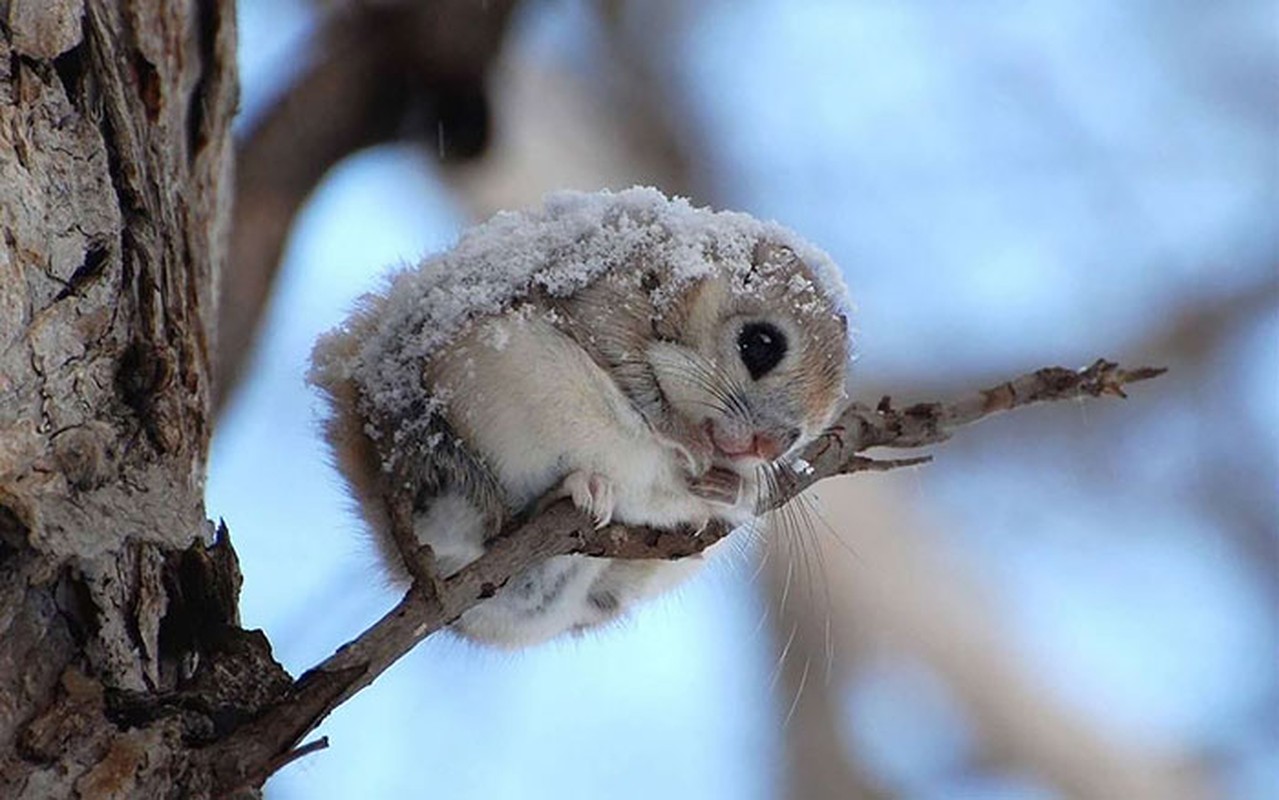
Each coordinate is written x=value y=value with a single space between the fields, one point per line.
x=249 y=755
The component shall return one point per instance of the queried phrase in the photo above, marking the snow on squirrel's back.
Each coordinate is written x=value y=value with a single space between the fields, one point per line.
x=561 y=248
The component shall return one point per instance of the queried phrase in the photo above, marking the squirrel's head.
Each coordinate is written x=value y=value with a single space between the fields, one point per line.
x=755 y=357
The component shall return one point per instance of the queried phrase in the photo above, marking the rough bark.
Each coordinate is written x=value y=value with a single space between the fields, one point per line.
x=114 y=158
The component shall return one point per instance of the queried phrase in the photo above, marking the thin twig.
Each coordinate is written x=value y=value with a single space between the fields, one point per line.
x=560 y=529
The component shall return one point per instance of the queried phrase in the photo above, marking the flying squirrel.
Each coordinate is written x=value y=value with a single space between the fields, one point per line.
x=655 y=362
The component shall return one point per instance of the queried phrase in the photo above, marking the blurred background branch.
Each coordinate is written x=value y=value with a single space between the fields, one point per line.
x=376 y=72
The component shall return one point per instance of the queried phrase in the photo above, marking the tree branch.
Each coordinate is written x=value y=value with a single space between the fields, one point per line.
x=250 y=754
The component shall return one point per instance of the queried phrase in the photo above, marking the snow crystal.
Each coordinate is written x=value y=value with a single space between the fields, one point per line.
x=558 y=249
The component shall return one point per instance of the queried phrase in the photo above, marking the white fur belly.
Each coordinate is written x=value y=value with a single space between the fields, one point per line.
x=570 y=594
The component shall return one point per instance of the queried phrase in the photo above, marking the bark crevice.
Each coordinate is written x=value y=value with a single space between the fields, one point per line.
x=114 y=227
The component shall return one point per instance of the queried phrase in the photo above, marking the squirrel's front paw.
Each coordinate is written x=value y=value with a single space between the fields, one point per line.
x=718 y=485
x=693 y=447
x=593 y=494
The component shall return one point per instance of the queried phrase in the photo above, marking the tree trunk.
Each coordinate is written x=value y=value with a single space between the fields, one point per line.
x=117 y=599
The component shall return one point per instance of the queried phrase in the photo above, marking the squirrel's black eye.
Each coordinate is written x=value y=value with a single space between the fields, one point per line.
x=762 y=347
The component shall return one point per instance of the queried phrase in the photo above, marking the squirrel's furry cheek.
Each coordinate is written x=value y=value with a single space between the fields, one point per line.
x=684 y=379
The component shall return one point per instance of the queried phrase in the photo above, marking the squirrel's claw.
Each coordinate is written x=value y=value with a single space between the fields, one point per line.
x=593 y=494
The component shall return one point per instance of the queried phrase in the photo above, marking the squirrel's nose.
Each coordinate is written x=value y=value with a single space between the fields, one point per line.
x=766 y=447
x=770 y=446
